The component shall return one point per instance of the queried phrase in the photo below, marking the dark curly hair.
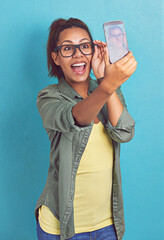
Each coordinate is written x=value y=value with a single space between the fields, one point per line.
x=55 y=29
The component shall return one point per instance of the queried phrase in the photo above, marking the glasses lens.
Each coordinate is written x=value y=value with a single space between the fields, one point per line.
x=67 y=50
x=118 y=35
x=86 y=48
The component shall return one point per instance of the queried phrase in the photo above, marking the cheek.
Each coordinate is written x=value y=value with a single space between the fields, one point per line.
x=64 y=64
x=89 y=57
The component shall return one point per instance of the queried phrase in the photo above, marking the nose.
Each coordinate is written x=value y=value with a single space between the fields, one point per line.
x=77 y=53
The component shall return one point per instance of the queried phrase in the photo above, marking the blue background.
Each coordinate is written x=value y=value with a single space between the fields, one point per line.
x=24 y=145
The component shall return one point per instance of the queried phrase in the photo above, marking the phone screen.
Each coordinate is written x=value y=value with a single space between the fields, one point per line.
x=116 y=40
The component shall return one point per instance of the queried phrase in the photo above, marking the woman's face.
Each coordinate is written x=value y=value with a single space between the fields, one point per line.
x=117 y=37
x=77 y=67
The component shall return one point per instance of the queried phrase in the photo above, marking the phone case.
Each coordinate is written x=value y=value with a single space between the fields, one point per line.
x=116 y=40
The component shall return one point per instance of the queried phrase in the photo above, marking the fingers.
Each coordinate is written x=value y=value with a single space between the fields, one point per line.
x=107 y=52
x=129 y=67
x=127 y=62
x=106 y=57
x=133 y=67
x=98 y=42
x=101 y=48
x=103 y=51
x=96 y=52
x=126 y=58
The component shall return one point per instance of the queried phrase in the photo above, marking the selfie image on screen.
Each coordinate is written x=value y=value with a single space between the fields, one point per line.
x=116 y=41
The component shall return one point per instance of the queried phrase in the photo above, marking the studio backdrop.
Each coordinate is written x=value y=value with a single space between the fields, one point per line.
x=24 y=144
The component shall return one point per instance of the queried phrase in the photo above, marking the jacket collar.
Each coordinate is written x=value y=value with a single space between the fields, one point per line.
x=70 y=91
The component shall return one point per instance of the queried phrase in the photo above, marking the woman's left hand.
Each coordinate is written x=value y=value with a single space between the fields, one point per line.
x=98 y=62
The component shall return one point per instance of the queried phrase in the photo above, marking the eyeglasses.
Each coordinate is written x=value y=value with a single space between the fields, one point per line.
x=69 y=49
x=118 y=36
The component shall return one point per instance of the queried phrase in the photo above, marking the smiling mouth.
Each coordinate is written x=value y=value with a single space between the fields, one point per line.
x=79 y=68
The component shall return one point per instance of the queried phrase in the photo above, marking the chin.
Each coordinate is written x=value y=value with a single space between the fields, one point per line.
x=80 y=78
x=77 y=78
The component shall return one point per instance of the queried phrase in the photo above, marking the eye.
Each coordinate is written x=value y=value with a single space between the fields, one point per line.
x=86 y=45
x=67 y=48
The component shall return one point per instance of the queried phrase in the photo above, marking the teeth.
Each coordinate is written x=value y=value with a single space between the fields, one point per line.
x=78 y=64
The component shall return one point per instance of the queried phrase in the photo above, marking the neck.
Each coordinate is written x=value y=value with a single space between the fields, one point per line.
x=81 y=88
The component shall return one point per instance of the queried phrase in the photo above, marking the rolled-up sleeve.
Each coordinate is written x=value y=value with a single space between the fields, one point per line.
x=125 y=128
x=56 y=112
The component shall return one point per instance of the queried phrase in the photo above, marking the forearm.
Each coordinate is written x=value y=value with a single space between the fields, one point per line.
x=115 y=108
x=86 y=110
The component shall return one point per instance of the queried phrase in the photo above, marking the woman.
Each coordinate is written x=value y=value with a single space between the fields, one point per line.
x=117 y=43
x=86 y=121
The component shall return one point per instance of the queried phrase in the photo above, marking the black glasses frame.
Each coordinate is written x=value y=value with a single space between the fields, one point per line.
x=76 y=46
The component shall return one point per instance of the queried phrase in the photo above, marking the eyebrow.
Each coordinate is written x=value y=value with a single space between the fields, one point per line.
x=69 y=41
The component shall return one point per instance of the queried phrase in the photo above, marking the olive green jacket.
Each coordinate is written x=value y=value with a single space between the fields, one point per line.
x=68 y=141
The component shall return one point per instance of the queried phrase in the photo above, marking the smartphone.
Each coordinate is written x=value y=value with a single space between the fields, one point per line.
x=116 y=40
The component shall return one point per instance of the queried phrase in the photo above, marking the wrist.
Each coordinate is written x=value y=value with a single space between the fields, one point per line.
x=105 y=89
x=99 y=80
x=106 y=86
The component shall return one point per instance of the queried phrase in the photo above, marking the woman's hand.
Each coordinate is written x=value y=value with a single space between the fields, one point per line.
x=98 y=60
x=114 y=74
x=117 y=73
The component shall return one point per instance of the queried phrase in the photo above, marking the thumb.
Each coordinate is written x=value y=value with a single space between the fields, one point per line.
x=106 y=57
x=95 y=55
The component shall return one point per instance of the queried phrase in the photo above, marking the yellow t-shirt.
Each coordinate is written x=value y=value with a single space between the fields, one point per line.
x=93 y=187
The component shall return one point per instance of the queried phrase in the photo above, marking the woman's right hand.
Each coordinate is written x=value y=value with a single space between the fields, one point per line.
x=117 y=73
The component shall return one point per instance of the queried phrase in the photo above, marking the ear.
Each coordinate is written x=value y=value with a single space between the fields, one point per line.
x=54 y=56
